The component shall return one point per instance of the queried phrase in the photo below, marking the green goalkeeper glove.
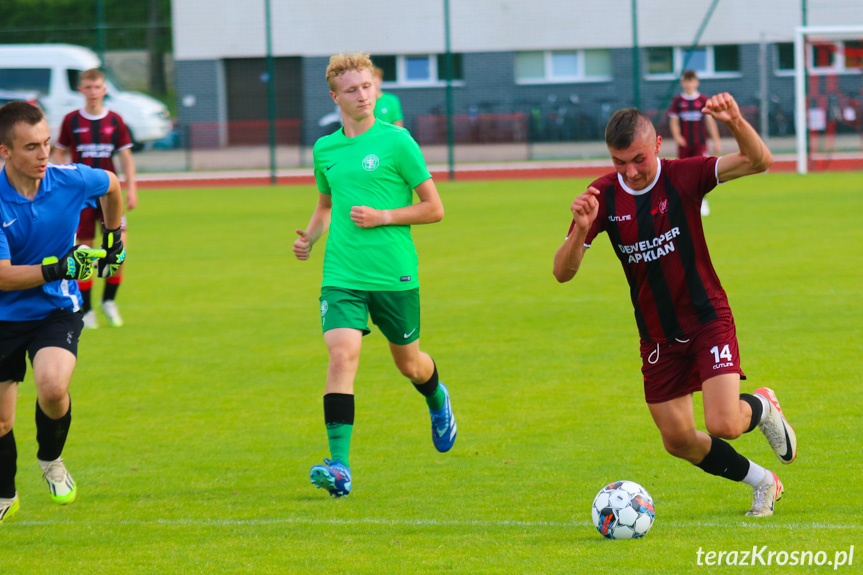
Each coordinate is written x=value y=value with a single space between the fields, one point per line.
x=112 y=243
x=77 y=264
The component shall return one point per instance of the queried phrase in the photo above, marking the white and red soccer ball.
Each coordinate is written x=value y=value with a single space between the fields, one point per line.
x=623 y=510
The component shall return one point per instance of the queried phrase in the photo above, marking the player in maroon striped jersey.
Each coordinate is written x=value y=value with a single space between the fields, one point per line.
x=92 y=136
x=650 y=210
x=688 y=123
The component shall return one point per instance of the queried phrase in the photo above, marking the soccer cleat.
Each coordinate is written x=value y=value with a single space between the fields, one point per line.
x=705 y=207
x=443 y=424
x=90 y=321
x=332 y=476
x=8 y=508
x=109 y=307
x=776 y=429
x=60 y=483
x=765 y=495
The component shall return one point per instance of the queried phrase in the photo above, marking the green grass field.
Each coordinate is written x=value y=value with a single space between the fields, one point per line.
x=195 y=425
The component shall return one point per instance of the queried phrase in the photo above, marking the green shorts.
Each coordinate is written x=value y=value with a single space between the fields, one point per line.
x=396 y=313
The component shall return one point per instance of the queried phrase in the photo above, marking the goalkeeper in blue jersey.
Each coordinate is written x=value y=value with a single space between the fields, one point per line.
x=39 y=297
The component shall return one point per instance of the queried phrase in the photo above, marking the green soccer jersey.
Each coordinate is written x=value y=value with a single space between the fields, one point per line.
x=389 y=108
x=379 y=169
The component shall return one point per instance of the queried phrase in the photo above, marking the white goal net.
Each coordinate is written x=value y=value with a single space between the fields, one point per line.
x=828 y=62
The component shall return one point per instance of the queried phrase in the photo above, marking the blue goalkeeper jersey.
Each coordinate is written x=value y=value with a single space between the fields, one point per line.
x=42 y=227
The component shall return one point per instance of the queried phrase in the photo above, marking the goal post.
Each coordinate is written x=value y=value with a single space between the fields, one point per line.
x=810 y=119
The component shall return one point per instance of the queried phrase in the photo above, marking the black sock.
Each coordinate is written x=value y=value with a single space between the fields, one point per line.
x=339 y=417
x=8 y=465
x=110 y=291
x=428 y=388
x=51 y=433
x=338 y=409
x=757 y=409
x=724 y=461
x=85 y=298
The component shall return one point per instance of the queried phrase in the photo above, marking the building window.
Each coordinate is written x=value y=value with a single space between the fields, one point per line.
x=726 y=58
x=695 y=59
x=597 y=63
x=660 y=61
x=418 y=69
x=707 y=61
x=562 y=66
x=530 y=66
x=785 y=57
x=388 y=65
x=457 y=75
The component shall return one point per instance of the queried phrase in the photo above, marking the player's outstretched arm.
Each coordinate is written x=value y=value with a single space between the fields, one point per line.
x=19 y=277
x=427 y=211
x=77 y=264
x=317 y=227
x=753 y=156
x=568 y=257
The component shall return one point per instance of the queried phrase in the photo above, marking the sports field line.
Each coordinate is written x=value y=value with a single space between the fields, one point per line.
x=412 y=523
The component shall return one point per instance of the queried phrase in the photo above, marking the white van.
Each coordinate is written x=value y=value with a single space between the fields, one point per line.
x=52 y=71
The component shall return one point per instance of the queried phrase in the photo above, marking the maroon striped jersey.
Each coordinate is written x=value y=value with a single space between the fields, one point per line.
x=656 y=234
x=92 y=140
x=688 y=109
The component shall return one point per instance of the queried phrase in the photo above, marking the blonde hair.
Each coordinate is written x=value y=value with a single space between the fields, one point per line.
x=345 y=62
x=93 y=74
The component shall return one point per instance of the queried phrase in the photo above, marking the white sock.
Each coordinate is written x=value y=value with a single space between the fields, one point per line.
x=755 y=475
x=44 y=464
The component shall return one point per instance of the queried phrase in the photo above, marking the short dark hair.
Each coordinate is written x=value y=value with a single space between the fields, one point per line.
x=689 y=75
x=14 y=113
x=624 y=126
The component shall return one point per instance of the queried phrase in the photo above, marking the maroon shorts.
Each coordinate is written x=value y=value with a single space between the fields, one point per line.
x=677 y=368
x=87 y=223
x=687 y=152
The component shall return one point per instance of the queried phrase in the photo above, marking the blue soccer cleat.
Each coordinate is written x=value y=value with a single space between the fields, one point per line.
x=443 y=424
x=332 y=476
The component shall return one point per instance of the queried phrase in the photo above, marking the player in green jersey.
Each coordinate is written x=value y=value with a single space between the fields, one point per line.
x=388 y=107
x=366 y=174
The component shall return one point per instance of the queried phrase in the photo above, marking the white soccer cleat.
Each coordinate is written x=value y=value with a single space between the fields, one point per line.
x=8 y=508
x=90 y=321
x=112 y=313
x=705 y=208
x=776 y=429
x=60 y=483
x=765 y=495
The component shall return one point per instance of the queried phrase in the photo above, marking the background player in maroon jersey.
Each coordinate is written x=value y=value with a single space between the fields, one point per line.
x=92 y=135
x=687 y=123
x=650 y=210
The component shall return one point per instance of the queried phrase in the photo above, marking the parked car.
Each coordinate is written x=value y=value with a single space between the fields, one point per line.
x=7 y=96
x=50 y=72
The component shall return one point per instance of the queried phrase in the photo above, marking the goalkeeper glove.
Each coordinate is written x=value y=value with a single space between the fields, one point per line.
x=77 y=264
x=112 y=243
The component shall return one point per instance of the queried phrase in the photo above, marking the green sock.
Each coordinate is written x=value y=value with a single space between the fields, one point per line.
x=436 y=400
x=339 y=435
x=432 y=391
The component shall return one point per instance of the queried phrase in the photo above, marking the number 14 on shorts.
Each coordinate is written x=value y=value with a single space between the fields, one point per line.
x=720 y=355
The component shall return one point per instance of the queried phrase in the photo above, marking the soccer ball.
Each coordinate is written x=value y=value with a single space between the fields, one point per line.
x=623 y=510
